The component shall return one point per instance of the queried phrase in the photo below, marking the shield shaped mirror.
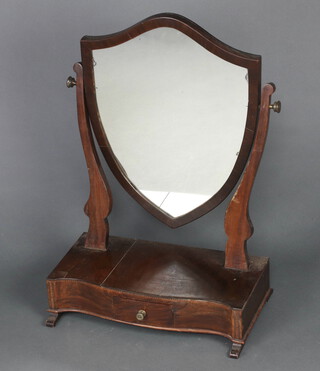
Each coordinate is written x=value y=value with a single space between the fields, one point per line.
x=174 y=111
x=172 y=116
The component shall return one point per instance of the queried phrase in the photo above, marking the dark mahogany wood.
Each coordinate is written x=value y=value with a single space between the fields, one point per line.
x=99 y=203
x=237 y=224
x=180 y=288
x=177 y=288
x=250 y=61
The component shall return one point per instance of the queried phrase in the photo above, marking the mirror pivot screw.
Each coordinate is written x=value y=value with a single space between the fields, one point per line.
x=276 y=106
x=71 y=82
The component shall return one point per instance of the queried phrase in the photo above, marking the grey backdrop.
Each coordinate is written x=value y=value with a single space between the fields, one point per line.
x=44 y=186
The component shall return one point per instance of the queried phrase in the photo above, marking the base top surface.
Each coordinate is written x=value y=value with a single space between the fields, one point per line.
x=153 y=268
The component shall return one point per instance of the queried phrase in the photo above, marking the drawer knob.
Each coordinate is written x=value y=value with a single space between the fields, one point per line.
x=141 y=314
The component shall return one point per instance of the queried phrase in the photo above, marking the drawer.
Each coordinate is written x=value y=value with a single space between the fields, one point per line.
x=207 y=316
x=142 y=312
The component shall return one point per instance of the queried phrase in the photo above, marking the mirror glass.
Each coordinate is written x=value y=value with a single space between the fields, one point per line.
x=174 y=115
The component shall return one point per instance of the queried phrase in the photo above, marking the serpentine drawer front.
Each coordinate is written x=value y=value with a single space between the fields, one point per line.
x=142 y=313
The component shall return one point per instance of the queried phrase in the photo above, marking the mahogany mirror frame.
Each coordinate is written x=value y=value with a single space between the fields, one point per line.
x=130 y=280
x=249 y=61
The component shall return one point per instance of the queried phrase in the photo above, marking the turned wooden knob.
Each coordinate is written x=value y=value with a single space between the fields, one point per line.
x=141 y=314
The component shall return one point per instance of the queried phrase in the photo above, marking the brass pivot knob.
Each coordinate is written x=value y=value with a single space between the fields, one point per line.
x=276 y=106
x=141 y=315
x=71 y=82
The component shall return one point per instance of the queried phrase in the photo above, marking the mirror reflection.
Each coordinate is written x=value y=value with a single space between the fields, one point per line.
x=174 y=115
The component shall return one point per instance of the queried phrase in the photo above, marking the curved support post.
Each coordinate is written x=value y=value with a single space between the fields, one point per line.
x=99 y=204
x=237 y=222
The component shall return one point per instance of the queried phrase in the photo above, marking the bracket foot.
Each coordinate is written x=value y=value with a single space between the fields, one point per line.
x=52 y=319
x=235 y=350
